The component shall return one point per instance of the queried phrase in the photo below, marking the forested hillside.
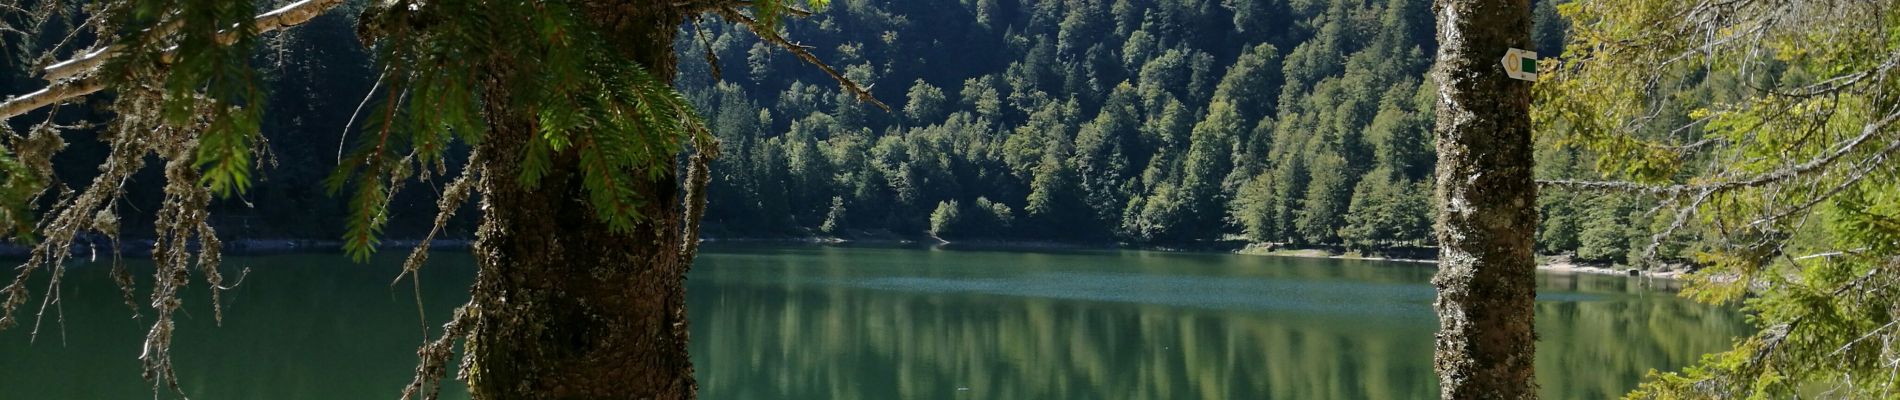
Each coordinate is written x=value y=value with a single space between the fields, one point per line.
x=1146 y=122
x=1300 y=122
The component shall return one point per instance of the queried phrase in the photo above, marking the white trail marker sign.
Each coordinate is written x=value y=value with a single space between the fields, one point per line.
x=1521 y=64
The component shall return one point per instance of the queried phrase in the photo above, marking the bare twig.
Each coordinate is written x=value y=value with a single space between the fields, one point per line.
x=803 y=52
x=700 y=6
x=289 y=15
x=433 y=356
x=53 y=94
x=453 y=196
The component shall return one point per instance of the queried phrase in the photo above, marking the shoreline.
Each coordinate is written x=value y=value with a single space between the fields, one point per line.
x=1552 y=264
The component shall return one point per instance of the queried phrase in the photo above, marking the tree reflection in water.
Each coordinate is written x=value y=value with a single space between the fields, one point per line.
x=775 y=322
x=924 y=324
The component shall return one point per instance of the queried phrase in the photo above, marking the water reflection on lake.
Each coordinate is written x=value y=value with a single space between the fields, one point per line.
x=813 y=322
x=807 y=322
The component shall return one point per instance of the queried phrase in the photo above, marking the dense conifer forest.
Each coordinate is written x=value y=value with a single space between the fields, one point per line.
x=1166 y=122
x=1131 y=121
x=1298 y=123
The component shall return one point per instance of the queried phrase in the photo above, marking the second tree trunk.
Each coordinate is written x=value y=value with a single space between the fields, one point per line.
x=1487 y=216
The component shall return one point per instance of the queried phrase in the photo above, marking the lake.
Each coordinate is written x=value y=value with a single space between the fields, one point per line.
x=815 y=322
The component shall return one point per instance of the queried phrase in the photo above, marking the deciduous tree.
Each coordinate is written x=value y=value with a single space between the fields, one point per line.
x=1783 y=167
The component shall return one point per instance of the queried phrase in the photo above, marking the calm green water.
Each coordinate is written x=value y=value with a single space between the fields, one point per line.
x=779 y=322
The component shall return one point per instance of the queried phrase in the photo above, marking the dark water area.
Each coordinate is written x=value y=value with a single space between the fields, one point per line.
x=817 y=322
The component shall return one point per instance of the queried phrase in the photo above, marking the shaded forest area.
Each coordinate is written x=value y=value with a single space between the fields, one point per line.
x=317 y=78
x=1301 y=123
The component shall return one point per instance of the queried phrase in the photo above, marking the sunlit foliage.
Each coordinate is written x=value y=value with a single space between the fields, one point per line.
x=1764 y=129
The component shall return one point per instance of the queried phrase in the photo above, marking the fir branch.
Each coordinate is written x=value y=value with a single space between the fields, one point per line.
x=702 y=6
x=370 y=199
x=615 y=202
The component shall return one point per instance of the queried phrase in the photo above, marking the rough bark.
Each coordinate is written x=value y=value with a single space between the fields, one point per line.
x=1486 y=196
x=565 y=307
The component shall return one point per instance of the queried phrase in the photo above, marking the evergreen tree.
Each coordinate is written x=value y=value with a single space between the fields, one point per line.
x=1209 y=158
x=835 y=217
x=926 y=103
x=1102 y=162
x=807 y=170
x=1328 y=195
x=1606 y=233
x=1779 y=164
x=1054 y=199
x=1387 y=211
x=1253 y=208
x=1251 y=82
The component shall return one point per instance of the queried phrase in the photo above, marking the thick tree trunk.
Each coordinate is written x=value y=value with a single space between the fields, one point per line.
x=1486 y=196
x=566 y=308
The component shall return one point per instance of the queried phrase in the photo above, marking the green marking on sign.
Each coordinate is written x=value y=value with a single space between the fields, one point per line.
x=1520 y=64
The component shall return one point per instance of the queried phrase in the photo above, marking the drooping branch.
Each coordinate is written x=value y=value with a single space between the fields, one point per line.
x=70 y=216
x=68 y=84
x=697 y=176
x=802 y=51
